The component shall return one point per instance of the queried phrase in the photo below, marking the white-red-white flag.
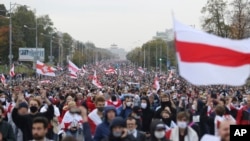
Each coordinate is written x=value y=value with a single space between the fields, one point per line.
x=44 y=69
x=3 y=80
x=141 y=70
x=73 y=69
x=95 y=81
x=130 y=72
x=206 y=59
x=45 y=81
x=12 y=71
x=156 y=85
x=110 y=71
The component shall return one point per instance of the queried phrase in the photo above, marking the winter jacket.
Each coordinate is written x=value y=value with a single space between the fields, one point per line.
x=243 y=116
x=147 y=116
x=7 y=131
x=102 y=130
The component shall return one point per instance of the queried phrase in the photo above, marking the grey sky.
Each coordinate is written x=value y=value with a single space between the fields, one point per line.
x=127 y=23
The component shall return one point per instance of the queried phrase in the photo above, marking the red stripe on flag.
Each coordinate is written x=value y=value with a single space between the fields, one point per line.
x=204 y=53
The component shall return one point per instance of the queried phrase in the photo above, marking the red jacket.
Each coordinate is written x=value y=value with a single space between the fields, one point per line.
x=90 y=104
x=243 y=116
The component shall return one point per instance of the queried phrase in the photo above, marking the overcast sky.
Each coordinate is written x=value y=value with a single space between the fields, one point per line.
x=127 y=23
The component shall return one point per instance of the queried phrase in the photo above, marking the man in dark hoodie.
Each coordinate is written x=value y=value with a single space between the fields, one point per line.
x=102 y=129
x=118 y=131
x=147 y=114
x=157 y=131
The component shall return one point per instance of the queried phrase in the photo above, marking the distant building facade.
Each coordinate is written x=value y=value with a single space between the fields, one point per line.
x=119 y=52
x=167 y=35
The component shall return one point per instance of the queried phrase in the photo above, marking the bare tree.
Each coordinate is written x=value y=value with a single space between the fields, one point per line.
x=214 y=19
x=240 y=19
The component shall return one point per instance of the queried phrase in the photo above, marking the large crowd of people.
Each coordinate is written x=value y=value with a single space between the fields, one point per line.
x=128 y=107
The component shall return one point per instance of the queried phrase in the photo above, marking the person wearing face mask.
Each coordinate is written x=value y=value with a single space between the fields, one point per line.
x=6 y=128
x=157 y=131
x=96 y=116
x=165 y=102
x=102 y=129
x=166 y=118
x=182 y=132
x=133 y=133
x=147 y=115
x=72 y=120
x=24 y=122
x=126 y=109
x=137 y=113
x=118 y=131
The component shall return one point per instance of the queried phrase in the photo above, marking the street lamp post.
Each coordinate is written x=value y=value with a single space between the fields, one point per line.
x=51 y=57
x=10 y=36
x=160 y=64
x=10 y=40
x=36 y=57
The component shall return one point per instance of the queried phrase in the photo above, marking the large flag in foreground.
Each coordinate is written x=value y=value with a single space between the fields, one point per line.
x=206 y=59
x=44 y=69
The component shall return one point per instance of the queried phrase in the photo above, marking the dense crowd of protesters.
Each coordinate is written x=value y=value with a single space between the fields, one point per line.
x=127 y=108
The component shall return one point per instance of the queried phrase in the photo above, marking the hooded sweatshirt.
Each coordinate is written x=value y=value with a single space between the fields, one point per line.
x=102 y=129
x=118 y=121
x=153 y=127
x=147 y=115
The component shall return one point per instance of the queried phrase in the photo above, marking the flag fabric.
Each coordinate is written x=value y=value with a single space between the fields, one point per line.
x=206 y=59
x=73 y=69
x=44 y=69
x=95 y=81
x=156 y=85
x=3 y=80
x=131 y=72
x=12 y=72
x=140 y=69
x=45 y=81
x=110 y=71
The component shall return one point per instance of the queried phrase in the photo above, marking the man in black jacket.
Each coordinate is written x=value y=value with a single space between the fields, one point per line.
x=24 y=122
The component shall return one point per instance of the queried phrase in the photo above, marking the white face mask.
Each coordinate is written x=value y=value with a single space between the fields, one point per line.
x=143 y=105
x=128 y=104
x=193 y=107
x=159 y=134
x=131 y=131
x=182 y=124
x=2 y=99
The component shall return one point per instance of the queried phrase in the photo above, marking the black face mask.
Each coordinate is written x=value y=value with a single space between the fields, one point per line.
x=100 y=109
x=33 y=109
x=165 y=104
x=113 y=98
x=167 y=121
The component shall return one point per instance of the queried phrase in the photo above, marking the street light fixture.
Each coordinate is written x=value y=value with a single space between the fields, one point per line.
x=10 y=56
x=36 y=57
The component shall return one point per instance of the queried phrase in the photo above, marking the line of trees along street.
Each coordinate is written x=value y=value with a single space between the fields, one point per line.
x=62 y=45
